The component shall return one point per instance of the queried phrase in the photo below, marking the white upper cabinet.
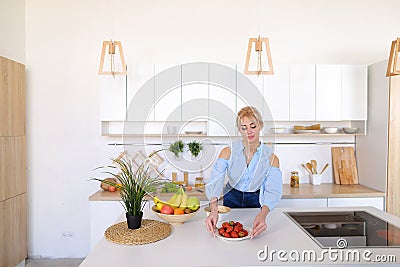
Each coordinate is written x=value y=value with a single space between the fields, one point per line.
x=249 y=90
x=195 y=92
x=302 y=92
x=168 y=92
x=354 y=92
x=140 y=93
x=276 y=94
x=222 y=100
x=328 y=89
x=112 y=98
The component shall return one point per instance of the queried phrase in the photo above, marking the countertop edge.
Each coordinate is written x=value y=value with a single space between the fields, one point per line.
x=305 y=191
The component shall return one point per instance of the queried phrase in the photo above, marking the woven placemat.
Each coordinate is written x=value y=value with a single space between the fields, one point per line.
x=149 y=232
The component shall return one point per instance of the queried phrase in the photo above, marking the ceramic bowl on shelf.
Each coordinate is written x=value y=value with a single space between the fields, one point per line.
x=350 y=130
x=331 y=130
x=278 y=130
x=174 y=219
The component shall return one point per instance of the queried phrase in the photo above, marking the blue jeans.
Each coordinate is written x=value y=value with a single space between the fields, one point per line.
x=237 y=199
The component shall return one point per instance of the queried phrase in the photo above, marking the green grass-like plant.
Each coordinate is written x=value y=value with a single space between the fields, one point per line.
x=133 y=183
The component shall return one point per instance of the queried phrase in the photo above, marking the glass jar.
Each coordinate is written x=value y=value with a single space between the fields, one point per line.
x=199 y=182
x=294 y=179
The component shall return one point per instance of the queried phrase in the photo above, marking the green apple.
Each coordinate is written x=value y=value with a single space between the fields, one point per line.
x=193 y=203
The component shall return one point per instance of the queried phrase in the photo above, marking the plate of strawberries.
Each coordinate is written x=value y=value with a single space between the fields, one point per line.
x=233 y=231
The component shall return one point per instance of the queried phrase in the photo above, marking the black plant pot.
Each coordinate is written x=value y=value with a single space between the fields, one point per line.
x=134 y=221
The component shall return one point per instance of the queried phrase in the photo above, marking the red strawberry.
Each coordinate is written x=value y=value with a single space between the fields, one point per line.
x=238 y=224
x=237 y=228
x=234 y=234
x=221 y=231
x=227 y=235
x=225 y=225
x=229 y=229
x=245 y=232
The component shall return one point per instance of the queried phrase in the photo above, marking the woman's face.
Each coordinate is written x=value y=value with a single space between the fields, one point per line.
x=249 y=128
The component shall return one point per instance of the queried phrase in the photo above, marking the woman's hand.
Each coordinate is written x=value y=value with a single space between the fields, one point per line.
x=211 y=221
x=259 y=224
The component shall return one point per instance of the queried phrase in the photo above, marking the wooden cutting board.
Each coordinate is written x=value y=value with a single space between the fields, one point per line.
x=344 y=165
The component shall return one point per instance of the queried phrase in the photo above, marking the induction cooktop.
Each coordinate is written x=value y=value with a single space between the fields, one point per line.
x=347 y=229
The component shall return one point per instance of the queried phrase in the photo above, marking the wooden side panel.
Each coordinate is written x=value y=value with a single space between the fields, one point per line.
x=15 y=230
x=12 y=98
x=2 y=241
x=12 y=166
x=393 y=182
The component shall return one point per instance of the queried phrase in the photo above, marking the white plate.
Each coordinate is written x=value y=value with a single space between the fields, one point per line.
x=234 y=239
x=306 y=131
x=193 y=132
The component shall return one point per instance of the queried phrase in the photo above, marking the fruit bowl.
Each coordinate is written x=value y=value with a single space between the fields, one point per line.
x=173 y=219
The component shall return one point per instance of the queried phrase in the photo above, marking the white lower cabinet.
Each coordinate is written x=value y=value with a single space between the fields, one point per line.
x=301 y=203
x=377 y=202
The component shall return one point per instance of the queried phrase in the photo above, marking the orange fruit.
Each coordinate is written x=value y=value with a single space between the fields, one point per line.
x=178 y=211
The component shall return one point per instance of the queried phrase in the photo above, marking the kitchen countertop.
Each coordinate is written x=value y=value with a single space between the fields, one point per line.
x=303 y=191
x=191 y=245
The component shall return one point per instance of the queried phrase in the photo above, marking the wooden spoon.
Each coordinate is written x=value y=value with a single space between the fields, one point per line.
x=309 y=166
x=324 y=168
x=314 y=165
x=306 y=168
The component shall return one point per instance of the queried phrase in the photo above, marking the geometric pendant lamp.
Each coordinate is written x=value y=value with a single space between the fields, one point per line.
x=112 y=61
x=258 y=59
x=394 y=60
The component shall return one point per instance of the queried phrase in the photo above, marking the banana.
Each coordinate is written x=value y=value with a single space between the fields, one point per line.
x=184 y=200
x=183 y=205
x=172 y=199
x=177 y=201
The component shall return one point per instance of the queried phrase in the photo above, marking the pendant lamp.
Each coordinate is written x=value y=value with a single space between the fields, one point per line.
x=258 y=60
x=394 y=60
x=112 y=61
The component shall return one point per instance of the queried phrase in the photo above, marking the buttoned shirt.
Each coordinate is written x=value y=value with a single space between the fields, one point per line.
x=257 y=175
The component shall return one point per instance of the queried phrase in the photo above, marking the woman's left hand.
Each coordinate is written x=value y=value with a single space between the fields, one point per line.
x=259 y=224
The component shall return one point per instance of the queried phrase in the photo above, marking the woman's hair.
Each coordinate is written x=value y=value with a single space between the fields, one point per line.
x=249 y=112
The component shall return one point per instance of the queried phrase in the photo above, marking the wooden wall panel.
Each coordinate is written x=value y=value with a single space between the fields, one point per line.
x=393 y=178
x=15 y=230
x=2 y=241
x=12 y=98
x=12 y=166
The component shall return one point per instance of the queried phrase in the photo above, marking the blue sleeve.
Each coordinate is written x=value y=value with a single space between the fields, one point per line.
x=271 y=189
x=215 y=183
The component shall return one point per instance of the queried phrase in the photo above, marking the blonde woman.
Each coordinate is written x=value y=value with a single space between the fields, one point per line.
x=255 y=180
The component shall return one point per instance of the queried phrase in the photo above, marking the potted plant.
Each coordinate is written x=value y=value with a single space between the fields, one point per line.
x=195 y=148
x=177 y=148
x=133 y=184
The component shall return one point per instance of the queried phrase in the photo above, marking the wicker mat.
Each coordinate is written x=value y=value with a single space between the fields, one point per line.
x=150 y=231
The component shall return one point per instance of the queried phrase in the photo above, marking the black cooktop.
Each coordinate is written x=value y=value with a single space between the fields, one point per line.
x=353 y=228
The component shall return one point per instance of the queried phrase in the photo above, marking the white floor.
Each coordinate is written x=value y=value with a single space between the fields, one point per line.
x=53 y=262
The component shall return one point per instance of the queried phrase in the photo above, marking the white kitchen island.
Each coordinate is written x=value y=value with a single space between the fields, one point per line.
x=191 y=245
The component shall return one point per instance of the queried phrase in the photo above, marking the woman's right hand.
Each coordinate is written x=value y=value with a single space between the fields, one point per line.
x=211 y=221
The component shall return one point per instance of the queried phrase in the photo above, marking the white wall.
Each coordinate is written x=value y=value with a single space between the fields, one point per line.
x=12 y=30
x=63 y=44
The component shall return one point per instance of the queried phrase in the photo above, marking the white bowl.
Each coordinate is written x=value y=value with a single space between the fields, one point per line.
x=222 y=211
x=331 y=130
x=278 y=130
x=350 y=130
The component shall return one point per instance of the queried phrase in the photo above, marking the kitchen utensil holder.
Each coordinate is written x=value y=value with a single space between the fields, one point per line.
x=315 y=179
